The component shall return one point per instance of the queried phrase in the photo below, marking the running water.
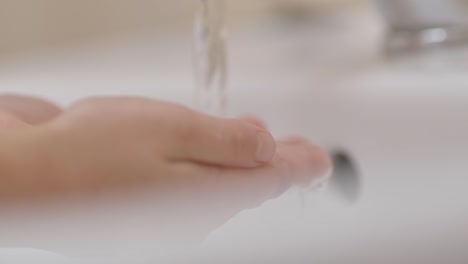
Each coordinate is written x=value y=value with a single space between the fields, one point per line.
x=210 y=57
x=210 y=62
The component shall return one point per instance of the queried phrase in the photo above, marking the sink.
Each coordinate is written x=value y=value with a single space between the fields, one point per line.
x=401 y=123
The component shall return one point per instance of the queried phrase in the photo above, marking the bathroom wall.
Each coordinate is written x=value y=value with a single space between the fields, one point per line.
x=43 y=24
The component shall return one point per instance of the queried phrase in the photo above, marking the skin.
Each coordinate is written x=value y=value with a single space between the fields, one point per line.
x=184 y=166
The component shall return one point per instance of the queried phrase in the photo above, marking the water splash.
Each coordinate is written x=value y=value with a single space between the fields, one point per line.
x=210 y=57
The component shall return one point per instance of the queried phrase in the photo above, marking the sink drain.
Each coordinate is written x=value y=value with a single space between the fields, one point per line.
x=346 y=180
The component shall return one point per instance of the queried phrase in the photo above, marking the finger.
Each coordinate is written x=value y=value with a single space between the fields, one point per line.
x=303 y=165
x=310 y=165
x=238 y=189
x=224 y=142
x=8 y=120
x=30 y=109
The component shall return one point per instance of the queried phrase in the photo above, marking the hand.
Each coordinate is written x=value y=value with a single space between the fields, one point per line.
x=190 y=172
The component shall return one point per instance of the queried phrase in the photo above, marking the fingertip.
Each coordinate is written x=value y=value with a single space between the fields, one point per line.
x=309 y=164
x=321 y=165
x=253 y=120
x=8 y=120
x=229 y=142
x=323 y=161
x=33 y=110
x=266 y=147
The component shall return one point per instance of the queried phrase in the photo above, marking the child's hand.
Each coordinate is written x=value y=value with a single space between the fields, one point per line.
x=196 y=171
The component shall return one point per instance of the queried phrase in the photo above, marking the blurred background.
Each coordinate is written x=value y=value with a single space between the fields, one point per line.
x=382 y=84
x=28 y=25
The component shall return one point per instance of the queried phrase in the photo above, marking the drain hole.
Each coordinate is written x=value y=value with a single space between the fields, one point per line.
x=346 y=180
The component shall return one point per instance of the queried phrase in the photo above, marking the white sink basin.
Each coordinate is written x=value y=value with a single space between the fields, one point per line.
x=406 y=129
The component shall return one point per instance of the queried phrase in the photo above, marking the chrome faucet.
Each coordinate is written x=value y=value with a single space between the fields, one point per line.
x=414 y=25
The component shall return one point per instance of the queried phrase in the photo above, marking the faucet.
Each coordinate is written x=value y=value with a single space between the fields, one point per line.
x=414 y=25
